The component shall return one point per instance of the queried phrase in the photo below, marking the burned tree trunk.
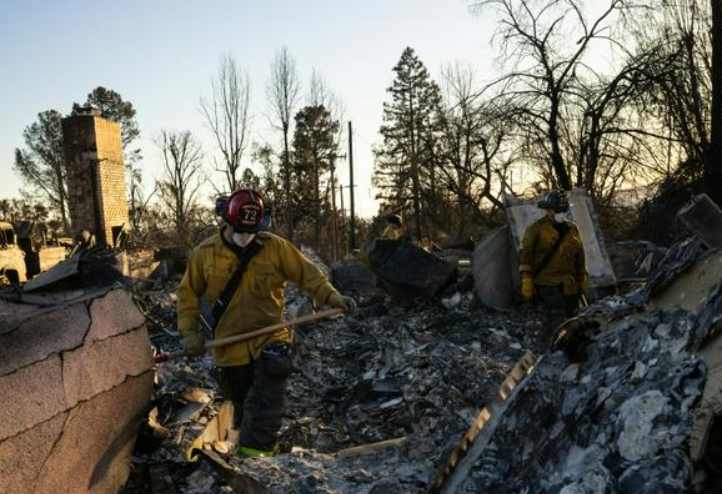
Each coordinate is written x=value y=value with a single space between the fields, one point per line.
x=713 y=165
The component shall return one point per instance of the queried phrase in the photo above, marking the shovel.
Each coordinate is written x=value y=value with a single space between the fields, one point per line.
x=165 y=357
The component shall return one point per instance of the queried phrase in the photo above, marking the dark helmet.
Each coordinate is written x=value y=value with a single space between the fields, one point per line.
x=395 y=219
x=556 y=200
x=245 y=211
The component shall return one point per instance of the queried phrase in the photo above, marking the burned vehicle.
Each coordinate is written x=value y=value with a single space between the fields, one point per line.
x=41 y=251
x=12 y=258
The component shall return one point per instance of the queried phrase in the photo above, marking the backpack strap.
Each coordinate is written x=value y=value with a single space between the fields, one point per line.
x=221 y=303
x=548 y=257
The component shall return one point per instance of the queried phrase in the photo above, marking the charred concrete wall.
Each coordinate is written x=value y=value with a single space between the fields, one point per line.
x=73 y=383
x=96 y=176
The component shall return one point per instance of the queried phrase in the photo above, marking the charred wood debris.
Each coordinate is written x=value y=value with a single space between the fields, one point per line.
x=382 y=398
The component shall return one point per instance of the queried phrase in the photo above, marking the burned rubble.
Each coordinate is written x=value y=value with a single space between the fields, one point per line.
x=618 y=413
x=379 y=396
x=381 y=399
x=618 y=421
x=626 y=402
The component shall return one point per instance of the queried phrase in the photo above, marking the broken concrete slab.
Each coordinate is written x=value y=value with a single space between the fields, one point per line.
x=20 y=465
x=704 y=218
x=406 y=271
x=97 y=441
x=36 y=339
x=113 y=314
x=99 y=366
x=31 y=395
x=491 y=266
x=94 y=387
x=522 y=212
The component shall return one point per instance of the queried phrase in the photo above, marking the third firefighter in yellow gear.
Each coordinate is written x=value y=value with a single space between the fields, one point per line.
x=568 y=265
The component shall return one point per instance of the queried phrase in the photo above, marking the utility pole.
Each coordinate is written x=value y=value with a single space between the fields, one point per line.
x=713 y=164
x=334 y=222
x=352 y=231
x=343 y=220
x=335 y=226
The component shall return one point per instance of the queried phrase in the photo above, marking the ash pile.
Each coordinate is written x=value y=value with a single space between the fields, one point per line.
x=628 y=401
x=626 y=405
x=380 y=398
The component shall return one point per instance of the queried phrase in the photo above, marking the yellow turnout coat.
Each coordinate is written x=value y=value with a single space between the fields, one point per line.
x=258 y=301
x=568 y=265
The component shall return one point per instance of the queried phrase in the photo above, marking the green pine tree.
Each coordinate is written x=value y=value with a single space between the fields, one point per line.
x=314 y=148
x=405 y=163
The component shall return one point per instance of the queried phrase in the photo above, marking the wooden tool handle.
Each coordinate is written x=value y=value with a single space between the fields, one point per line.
x=165 y=357
x=273 y=328
x=253 y=334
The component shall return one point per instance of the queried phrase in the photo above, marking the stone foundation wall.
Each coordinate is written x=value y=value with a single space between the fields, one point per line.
x=74 y=381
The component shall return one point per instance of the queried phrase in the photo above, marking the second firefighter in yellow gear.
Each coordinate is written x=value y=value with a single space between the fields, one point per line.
x=556 y=280
x=567 y=267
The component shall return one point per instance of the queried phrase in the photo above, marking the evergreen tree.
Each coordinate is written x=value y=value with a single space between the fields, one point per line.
x=411 y=122
x=42 y=166
x=314 y=147
x=113 y=107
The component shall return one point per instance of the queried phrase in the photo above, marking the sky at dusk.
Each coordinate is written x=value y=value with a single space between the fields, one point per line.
x=161 y=55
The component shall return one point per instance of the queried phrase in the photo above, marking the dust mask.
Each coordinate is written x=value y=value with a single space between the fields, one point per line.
x=560 y=217
x=243 y=239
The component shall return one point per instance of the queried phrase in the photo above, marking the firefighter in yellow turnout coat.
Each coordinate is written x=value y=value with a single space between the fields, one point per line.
x=394 y=228
x=554 y=271
x=253 y=373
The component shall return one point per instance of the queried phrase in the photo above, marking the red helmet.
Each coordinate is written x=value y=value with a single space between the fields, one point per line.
x=246 y=212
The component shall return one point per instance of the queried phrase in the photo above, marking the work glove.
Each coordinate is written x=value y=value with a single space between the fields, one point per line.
x=193 y=344
x=342 y=302
x=527 y=289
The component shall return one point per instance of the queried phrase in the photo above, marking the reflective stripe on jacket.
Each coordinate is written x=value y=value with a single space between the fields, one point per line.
x=258 y=301
x=568 y=265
